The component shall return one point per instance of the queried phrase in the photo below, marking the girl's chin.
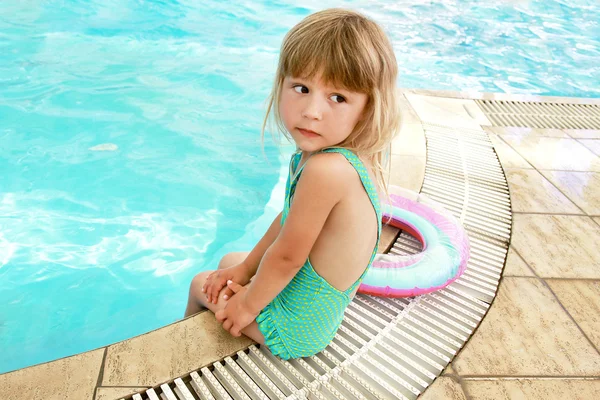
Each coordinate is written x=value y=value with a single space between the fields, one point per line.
x=309 y=148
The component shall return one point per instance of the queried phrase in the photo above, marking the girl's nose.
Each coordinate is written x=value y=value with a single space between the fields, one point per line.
x=313 y=109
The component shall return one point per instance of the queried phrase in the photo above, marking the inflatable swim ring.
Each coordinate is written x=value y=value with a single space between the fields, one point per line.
x=443 y=258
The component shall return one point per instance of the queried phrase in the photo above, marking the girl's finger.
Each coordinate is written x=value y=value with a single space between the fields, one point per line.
x=227 y=324
x=235 y=331
x=227 y=293
x=235 y=287
x=216 y=289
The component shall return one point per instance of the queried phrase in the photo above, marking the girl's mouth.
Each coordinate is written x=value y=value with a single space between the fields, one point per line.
x=308 y=133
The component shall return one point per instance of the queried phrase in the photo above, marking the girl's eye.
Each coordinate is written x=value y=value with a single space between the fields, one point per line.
x=337 y=98
x=301 y=89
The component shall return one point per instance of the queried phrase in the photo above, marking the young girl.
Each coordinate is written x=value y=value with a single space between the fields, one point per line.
x=335 y=97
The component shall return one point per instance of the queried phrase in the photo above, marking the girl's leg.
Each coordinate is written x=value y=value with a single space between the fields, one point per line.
x=197 y=299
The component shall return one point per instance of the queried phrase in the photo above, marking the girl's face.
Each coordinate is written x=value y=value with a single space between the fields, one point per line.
x=318 y=115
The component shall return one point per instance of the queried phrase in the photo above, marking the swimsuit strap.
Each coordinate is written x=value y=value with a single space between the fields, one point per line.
x=368 y=184
x=290 y=185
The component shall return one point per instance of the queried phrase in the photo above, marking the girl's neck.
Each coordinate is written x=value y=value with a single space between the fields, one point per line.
x=307 y=154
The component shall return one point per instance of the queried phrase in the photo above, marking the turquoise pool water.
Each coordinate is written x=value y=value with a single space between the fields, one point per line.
x=130 y=156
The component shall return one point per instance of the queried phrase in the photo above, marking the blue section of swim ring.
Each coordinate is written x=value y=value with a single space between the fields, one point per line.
x=440 y=262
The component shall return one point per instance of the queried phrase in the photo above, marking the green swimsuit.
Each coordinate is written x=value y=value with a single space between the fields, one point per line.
x=305 y=316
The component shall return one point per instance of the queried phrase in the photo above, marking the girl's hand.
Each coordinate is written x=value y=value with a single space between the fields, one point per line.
x=218 y=279
x=236 y=315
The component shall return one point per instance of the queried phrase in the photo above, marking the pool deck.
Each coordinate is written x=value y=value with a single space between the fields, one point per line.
x=541 y=337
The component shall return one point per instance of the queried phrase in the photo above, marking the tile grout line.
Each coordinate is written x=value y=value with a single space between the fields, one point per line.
x=567 y=170
x=524 y=262
x=124 y=387
x=563 y=193
x=556 y=214
x=100 y=373
x=459 y=380
x=561 y=279
x=525 y=134
x=580 y=141
x=546 y=169
x=570 y=316
x=559 y=302
x=567 y=133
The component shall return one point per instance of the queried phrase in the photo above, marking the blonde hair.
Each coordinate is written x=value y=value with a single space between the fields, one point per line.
x=349 y=51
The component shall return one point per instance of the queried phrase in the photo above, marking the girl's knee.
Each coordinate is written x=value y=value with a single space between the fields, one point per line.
x=198 y=281
x=231 y=259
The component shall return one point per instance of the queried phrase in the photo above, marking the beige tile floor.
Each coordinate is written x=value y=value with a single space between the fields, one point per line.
x=540 y=338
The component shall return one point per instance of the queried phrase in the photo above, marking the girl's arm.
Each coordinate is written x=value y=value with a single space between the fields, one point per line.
x=253 y=259
x=324 y=182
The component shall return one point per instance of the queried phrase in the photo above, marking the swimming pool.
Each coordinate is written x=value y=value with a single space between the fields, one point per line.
x=130 y=156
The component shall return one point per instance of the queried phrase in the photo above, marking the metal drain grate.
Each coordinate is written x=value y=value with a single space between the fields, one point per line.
x=388 y=348
x=541 y=115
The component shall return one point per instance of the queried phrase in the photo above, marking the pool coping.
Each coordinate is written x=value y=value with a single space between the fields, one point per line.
x=101 y=373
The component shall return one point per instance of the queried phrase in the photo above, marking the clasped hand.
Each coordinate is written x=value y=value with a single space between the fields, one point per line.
x=219 y=278
x=236 y=315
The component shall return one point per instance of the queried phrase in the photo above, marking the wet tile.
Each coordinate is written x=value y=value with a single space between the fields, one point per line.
x=583 y=133
x=112 y=393
x=526 y=332
x=452 y=94
x=526 y=132
x=169 y=352
x=71 y=378
x=448 y=112
x=475 y=112
x=438 y=93
x=508 y=157
x=531 y=192
x=515 y=266
x=410 y=141
x=582 y=301
x=532 y=389
x=558 y=246
x=408 y=172
x=554 y=153
x=583 y=188
x=408 y=115
x=592 y=144
x=443 y=388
